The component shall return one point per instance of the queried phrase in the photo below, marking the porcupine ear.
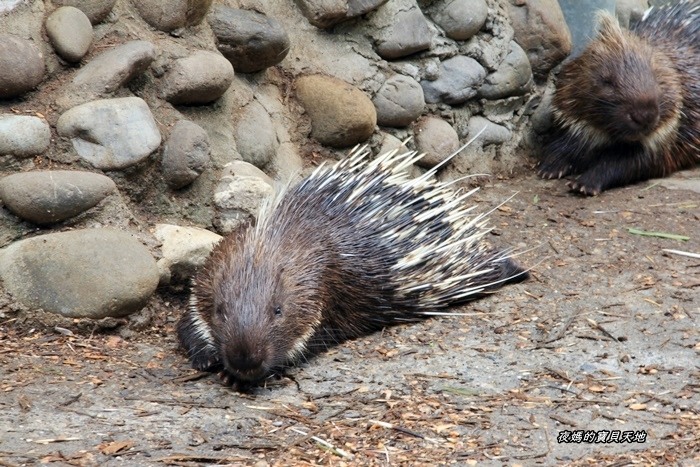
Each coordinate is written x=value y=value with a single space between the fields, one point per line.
x=608 y=27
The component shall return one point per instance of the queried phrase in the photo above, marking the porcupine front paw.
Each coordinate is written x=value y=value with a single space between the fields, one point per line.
x=553 y=168
x=205 y=358
x=584 y=186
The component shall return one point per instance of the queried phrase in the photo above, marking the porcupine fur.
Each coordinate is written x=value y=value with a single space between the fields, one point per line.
x=628 y=108
x=354 y=247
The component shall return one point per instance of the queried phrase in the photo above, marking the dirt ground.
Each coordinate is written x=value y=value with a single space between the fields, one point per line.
x=601 y=344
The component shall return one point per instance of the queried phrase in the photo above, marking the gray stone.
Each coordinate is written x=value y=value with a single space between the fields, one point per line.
x=245 y=169
x=400 y=29
x=111 y=134
x=582 y=20
x=45 y=197
x=114 y=68
x=543 y=118
x=504 y=110
x=491 y=134
x=173 y=14
x=436 y=138
x=21 y=66
x=341 y=115
x=399 y=101
x=541 y=31
x=513 y=77
x=326 y=13
x=91 y=273
x=630 y=11
x=391 y=143
x=183 y=250
x=238 y=200
x=96 y=10
x=185 y=155
x=460 y=78
x=250 y=40
x=8 y=5
x=200 y=78
x=106 y=73
x=70 y=33
x=23 y=135
x=288 y=163
x=255 y=135
x=460 y=19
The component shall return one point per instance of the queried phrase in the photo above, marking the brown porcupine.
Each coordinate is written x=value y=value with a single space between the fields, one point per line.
x=353 y=248
x=628 y=108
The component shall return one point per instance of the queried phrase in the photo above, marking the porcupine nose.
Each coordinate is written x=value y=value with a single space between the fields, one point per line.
x=645 y=117
x=246 y=362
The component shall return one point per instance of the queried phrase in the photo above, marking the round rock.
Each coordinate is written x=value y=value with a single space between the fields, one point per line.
x=399 y=101
x=91 y=273
x=458 y=80
x=173 y=14
x=113 y=69
x=238 y=198
x=107 y=72
x=461 y=19
x=513 y=77
x=44 y=197
x=391 y=143
x=184 y=249
x=70 y=33
x=201 y=78
x=436 y=138
x=96 y=10
x=185 y=155
x=252 y=41
x=492 y=133
x=21 y=66
x=239 y=168
x=326 y=14
x=111 y=134
x=23 y=135
x=541 y=30
x=255 y=135
x=400 y=29
x=341 y=115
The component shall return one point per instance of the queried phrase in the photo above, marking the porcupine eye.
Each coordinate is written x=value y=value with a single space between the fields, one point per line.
x=607 y=82
x=278 y=310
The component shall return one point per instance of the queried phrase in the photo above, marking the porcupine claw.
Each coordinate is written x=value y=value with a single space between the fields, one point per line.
x=226 y=378
x=583 y=189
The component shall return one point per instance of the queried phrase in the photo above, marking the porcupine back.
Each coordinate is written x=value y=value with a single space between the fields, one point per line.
x=353 y=248
x=628 y=108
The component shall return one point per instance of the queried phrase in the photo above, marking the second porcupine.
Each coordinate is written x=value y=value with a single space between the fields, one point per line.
x=628 y=108
x=353 y=248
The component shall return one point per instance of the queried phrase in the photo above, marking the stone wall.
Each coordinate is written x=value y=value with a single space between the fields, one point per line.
x=146 y=122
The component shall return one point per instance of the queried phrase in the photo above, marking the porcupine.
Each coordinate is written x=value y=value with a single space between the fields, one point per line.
x=353 y=248
x=628 y=108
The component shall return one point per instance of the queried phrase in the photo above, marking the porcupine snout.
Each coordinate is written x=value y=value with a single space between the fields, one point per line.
x=247 y=362
x=644 y=117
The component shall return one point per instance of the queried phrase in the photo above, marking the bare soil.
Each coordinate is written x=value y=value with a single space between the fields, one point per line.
x=603 y=337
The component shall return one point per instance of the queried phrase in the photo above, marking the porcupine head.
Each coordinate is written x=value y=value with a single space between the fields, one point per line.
x=264 y=319
x=619 y=89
